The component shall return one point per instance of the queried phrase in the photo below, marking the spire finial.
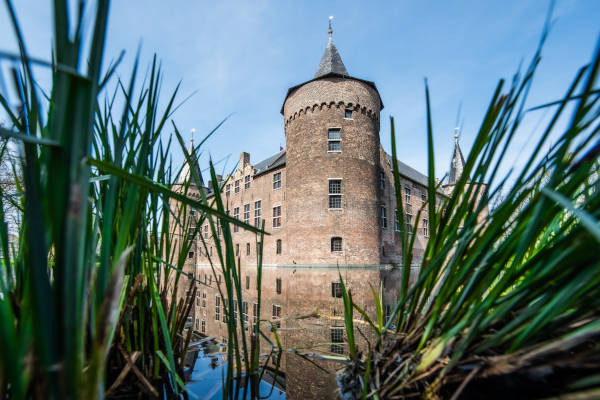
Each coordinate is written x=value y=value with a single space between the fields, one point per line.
x=192 y=131
x=330 y=31
x=456 y=133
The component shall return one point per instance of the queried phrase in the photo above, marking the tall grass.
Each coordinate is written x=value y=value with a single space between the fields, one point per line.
x=513 y=295
x=88 y=302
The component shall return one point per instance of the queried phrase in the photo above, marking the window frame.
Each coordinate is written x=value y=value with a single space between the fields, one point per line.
x=247 y=182
x=334 y=195
x=277 y=180
x=257 y=213
x=335 y=240
x=383 y=217
x=277 y=217
x=348 y=110
x=337 y=140
x=236 y=186
x=247 y=213
x=236 y=215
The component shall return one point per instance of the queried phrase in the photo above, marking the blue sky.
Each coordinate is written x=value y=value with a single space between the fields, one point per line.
x=241 y=56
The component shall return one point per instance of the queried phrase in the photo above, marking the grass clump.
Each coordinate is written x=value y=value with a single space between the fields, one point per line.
x=505 y=303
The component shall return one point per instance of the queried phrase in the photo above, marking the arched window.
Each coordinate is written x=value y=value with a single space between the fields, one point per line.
x=336 y=244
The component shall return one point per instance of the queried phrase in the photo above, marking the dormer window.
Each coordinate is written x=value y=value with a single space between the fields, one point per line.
x=348 y=113
x=334 y=140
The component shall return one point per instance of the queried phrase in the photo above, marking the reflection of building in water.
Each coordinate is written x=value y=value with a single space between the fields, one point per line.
x=306 y=306
x=328 y=199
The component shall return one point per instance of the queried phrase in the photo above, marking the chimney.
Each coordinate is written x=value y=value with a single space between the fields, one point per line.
x=244 y=159
x=219 y=178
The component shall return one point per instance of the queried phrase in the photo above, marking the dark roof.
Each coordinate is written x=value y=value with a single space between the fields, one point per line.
x=331 y=62
x=409 y=172
x=270 y=163
x=457 y=164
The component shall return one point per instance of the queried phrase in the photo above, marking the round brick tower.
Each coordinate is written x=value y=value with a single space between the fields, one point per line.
x=332 y=167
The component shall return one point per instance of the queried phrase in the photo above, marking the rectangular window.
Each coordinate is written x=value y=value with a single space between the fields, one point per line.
x=408 y=221
x=276 y=180
x=334 y=140
x=245 y=314
x=203 y=299
x=205 y=231
x=191 y=232
x=276 y=216
x=236 y=186
x=337 y=336
x=278 y=285
x=406 y=194
x=196 y=324
x=255 y=313
x=381 y=180
x=336 y=244
x=278 y=247
x=203 y=326
x=257 y=213
x=217 y=308
x=247 y=213
x=237 y=249
x=277 y=315
x=383 y=216
x=247 y=282
x=335 y=193
x=191 y=254
x=198 y=299
x=425 y=228
x=396 y=221
x=247 y=249
x=423 y=198
x=247 y=182
x=227 y=190
x=348 y=113
x=236 y=215
x=336 y=289
x=225 y=304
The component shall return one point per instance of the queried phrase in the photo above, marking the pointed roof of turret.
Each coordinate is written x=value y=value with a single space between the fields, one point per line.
x=331 y=62
x=184 y=175
x=457 y=163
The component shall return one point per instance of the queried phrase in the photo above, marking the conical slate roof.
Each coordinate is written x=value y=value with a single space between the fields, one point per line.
x=331 y=62
x=457 y=164
x=185 y=174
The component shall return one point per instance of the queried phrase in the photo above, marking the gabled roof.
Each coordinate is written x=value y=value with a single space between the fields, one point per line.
x=270 y=163
x=457 y=164
x=331 y=62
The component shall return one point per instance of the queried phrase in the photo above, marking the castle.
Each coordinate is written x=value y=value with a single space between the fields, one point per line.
x=328 y=199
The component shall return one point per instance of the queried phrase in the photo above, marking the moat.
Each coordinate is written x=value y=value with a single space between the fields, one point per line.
x=306 y=306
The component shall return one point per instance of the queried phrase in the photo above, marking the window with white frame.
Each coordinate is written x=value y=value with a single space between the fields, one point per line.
x=334 y=140
x=425 y=227
x=277 y=315
x=336 y=289
x=383 y=215
x=423 y=197
x=276 y=216
x=247 y=213
x=276 y=180
x=335 y=193
x=247 y=182
x=337 y=336
x=408 y=220
x=406 y=194
x=255 y=313
x=203 y=299
x=236 y=186
x=217 y=308
x=236 y=215
x=257 y=213
x=203 y=326
x=336 y=244
x=245 y=314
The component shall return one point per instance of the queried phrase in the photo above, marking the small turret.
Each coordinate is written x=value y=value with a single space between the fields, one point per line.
x=457 y=162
